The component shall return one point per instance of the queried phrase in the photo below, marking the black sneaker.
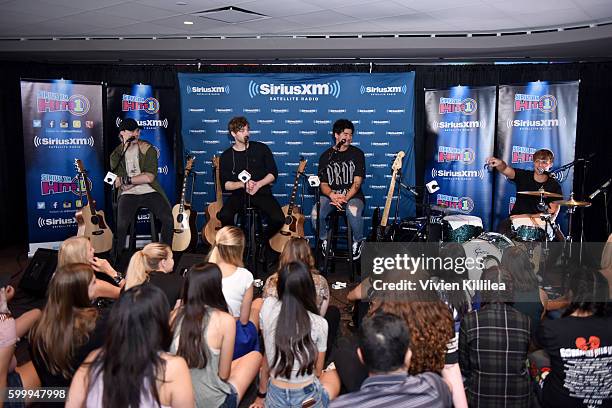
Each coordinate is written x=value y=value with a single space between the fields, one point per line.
x=357 y=245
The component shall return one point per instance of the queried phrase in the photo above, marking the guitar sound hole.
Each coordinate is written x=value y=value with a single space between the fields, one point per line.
x=179 y=218
x=95 y=220
x=288 y=220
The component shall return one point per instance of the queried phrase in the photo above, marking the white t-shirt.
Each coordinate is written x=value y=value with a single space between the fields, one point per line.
x=234 y=287
x=133 y=169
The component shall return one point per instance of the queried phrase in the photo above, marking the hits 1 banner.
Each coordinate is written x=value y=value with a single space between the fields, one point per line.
x=62 y=121
x=460 y=132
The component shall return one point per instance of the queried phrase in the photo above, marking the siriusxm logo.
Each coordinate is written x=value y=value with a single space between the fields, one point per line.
x=464 y=174
x=224 y=110
x=368 y=154
x=197 y=131
x=279 y=110
x=280 y=153
x=283 y=174
x=366 y=110
x=533 y=123
x=294 y=121
x=268 y=142
x=466 y=124
x=198 y=151
x=254 y=132
x=306 y=89
x=265 y=121
x=210 y=90
x=365 y=133
x=211 y=142
x=63 y=143
x=379 y=165
x=253 y=110
x=147 y=123
x=210 y=120
x=379 y=143
x=318 y=143
x=383 y=90
x=381 y=122
x=197 y=110
x=322 y=122
x=368 y=197
x=279 y=195
x=378 y=187
x=55 y=222
x=396 y=110
x=336 y=110
x=280 y=132
x=395 y=133
x=308 y=110
x=291 y=143
x=222 y=131
x=308 y=132
x=306 y=154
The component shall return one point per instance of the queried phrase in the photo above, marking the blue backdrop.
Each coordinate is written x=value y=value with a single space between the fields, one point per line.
x=460 y=132
x=293 y=114
x=530 y=117
x=61 y=121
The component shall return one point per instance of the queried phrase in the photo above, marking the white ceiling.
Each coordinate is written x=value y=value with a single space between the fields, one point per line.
x=127 y=26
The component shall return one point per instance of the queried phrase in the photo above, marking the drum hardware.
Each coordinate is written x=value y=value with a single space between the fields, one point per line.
x=461 y=228
x=490 y=247
x=541 y=193
x=572 y=205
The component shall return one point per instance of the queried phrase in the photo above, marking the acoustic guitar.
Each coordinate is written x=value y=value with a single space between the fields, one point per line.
x=384 y=232
x=294 y=219
x=184 y=221
x=209 y=232
x=91 y=222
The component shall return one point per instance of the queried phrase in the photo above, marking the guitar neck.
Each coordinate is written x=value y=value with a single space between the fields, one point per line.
x=219 y=192
x=385 y=215
x=182 y=203
x=293 y=194
x=90 y=201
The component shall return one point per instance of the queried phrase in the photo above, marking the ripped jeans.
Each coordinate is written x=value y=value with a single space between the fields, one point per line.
x=354 y=211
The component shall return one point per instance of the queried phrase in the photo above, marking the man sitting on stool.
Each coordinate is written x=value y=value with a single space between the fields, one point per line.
x=137 y=184
x=256 y=158
x=341 y=171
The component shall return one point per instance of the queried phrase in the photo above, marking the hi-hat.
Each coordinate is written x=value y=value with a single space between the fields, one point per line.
x=542 y=193
x=572 y=203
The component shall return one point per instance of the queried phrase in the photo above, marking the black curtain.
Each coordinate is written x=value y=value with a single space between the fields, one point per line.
x=593 y=134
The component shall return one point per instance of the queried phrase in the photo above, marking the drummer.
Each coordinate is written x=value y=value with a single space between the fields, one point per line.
x=529 y=180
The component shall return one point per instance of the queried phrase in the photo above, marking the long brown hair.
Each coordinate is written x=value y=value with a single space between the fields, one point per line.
x=67 y=319
x=431 y=328
x=229 y=246
x=73 y=250
x=296 y=250
x=516 y=261
x=144 y=262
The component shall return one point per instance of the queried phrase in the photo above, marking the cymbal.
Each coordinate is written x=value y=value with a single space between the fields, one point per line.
x=541 y=193
x=573 y=203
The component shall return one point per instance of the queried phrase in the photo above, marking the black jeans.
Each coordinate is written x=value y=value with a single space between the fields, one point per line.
x=266 y=203
x=126 y=211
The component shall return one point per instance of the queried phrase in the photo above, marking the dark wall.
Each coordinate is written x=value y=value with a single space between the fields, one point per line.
x=593 y=133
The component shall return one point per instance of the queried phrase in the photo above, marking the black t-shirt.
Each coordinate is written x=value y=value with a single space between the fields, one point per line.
x=95 y=340
x=170 y=283
x=338 y=169
x=523 y=179
x=580 y=350
x=260 y=163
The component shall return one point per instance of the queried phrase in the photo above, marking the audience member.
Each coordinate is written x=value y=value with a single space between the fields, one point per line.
x=384 y=342
x=526 y=288
x=295 y=338
x=580 y=346
x=69 y=327
x=237 y=287
x=132 y=368
x=493 y=347
x=154 y=263
x=606 y=263
x=204 y=334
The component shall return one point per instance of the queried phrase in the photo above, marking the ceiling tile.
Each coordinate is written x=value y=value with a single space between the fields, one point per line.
x=530 y=6
x=274 y=8
x=39 y=8
x=320 y=18
x=138 y=30
x=144 y=13
x=376 y=9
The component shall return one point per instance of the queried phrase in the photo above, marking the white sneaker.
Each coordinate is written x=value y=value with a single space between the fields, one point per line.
x=324 y=245
x=357 y=245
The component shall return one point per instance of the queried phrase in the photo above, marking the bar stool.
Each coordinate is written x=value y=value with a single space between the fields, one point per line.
x=252 y=225
x=132 y=230
x=331 y=254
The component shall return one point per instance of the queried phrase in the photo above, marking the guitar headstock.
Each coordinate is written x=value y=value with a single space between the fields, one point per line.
x=302 y=165
x=189 y=163
x=78 y=164
x=215 y=162
x=397 y=163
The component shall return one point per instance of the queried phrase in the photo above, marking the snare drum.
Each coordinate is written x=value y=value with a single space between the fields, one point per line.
x=489 y=246
x=528 y=229
x=461 y=228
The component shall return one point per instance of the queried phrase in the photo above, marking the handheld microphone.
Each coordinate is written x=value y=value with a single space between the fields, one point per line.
x=130 y=139
x=340 y=143
x=600 y=189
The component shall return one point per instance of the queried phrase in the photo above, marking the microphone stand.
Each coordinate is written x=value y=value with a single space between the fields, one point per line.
x=115 y=204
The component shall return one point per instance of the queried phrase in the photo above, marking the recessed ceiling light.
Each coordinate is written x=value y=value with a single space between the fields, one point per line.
x=188 y=22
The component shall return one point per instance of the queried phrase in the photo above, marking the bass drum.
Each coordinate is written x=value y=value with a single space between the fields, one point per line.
x=489 y=247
